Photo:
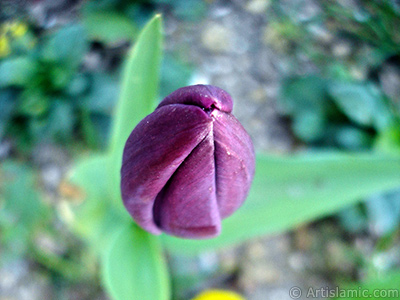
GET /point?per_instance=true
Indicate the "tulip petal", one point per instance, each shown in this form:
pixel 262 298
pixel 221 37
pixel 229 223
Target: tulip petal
pixel 204 96
pixel 154 150
pixel 234 160
pixel 187 206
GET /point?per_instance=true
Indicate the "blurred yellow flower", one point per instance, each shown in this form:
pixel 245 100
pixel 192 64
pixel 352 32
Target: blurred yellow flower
pixel 4 46
pixel 218 295
pixel 18 29
pixel 10 31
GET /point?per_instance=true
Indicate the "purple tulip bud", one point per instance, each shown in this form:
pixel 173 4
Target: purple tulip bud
pixel 187 165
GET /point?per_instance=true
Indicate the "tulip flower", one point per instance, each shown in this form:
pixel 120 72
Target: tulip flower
pixel 187 165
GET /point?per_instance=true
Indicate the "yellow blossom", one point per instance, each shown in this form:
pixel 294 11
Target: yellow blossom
pixel 18 29
pixel 4 46
pixel 218 295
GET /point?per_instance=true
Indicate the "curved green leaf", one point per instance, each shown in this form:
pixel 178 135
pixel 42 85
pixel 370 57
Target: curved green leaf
pixel 134 267
pixel 140 84
pixel 96 217
pixel 288 191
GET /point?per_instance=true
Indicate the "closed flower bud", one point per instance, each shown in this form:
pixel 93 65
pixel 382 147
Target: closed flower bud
pixel 187 165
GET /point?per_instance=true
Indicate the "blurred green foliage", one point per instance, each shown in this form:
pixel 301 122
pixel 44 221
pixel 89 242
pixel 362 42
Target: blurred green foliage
pixel 27 225
pixel 141 10
pixel 22 218
pixel 341 105
pixel 48 94
pixel 375 287
pixel 49 88
pixel 347 115
pixel 373 22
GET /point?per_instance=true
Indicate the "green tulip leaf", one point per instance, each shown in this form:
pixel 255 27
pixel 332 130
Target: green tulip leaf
pixel 139 91
pixel 134 267
pixel 290 191
pixel 375 287
pixel 94 215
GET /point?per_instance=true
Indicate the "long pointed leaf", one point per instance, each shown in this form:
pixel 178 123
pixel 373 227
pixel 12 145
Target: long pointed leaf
pixel 138 93
pixel 140 84
pixel 289 191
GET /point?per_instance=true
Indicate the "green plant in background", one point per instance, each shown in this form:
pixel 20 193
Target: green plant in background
pixel 287 191
pixel 386 287
pixel 336 113
pixel 47 95
pixel 14 34
pixel 26 221
pixel 354 116
pixel 339 108
pixel 140 10
pixel 113 21
pixel 23 217
pixel 49 88
pixel 340 104
pixel 374 22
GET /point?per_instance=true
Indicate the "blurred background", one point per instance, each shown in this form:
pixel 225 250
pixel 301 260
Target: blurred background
pixel 304 75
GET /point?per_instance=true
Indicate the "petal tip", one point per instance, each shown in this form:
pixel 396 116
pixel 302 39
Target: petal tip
pixel 204 232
